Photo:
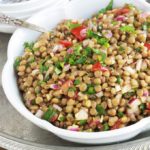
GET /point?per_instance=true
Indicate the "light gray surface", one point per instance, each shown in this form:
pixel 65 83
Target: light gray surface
pixel 14 127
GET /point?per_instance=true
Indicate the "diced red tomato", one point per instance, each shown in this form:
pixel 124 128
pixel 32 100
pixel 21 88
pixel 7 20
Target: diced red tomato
pixel 54 118
pixel 67 84
pixel 148 106
pixel 116 125
pixel 97 66
pixel 122 11
pixel 76 95
pixel 147 45
pixel 147 111
pixel 66 43
pixel 79 32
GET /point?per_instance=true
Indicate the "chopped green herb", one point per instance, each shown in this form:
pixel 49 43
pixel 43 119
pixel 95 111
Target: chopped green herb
pixel 144 26
pixel 82 122
pixel 121 48
pixel 87 51
pixel 72 89
pixel 90 89
pixel 102 56
pixel 71 25
pixel 76 82
pixel 81 60
pixel 49 113
pixel 71 61
pixel 92 34
pixel 61 118
pixel 47 78
pixel 142 107
pixel 120 114
pixel 128 29
pixel 43 68
pixel 29 45
pixel 57 71
pixel 41 83
pixel 118 79
pixel 33 102
pixel 108 7
pixel 17 62
pixel 114 23
pixel 96 51
pixel 31 59
pixel 138 49
pixel 128 95
pixel 77 50
pixel 104 42
pixel 100 109
pixel 105 127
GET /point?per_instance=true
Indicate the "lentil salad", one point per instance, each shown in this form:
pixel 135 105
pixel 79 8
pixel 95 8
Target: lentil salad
pixel 91 75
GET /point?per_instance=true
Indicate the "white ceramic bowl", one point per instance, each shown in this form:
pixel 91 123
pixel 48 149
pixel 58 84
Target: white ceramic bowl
pixel 19 6
pixel 29 11
pixel 76 9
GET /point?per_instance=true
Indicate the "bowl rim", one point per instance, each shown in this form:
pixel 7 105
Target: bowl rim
pixel 138 126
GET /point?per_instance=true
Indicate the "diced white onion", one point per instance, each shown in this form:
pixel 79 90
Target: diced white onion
pixel 139 65
pixel 100 94
pixel 81 115
pixel 126 89
pixel 39 113
pixel 57 48
pixel 57 107
pixel 129 69
pixel 118 88
pixel 66 67
pixel 35 72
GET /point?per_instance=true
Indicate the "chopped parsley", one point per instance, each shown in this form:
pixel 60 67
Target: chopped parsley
pixel 77 81
pixel 120 114
pixel 128 29
pixel 105 127
pixel 17 62
pixel 138 49
pixel 57 71
pixel 142 107
pixel 118 79
pixel 71 25
pixel 108 7
pixel 100 109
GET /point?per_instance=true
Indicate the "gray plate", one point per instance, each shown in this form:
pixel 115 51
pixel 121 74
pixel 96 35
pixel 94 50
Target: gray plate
pixel 18 133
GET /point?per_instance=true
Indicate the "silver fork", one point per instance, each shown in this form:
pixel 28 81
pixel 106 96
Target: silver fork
pixel 4 19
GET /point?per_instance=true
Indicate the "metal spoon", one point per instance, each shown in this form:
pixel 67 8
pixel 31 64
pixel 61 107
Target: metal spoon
pixel 4 19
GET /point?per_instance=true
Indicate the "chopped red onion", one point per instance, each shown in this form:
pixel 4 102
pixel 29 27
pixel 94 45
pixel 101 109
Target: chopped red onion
pixel 146 94
pixel 70 51
pixel 108 34
pixel 66 67
pixel 120 18
pixel 39 113
pixel 57 48
pixel 73 128
pixel 54 86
